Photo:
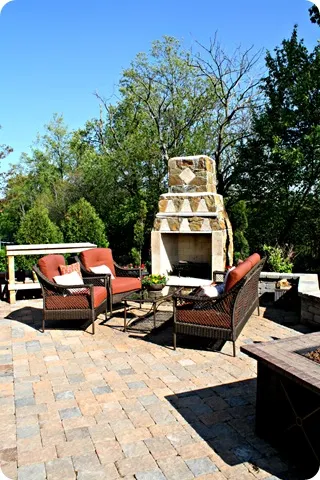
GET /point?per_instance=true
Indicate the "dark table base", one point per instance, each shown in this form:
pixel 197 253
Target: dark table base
pixel 288 417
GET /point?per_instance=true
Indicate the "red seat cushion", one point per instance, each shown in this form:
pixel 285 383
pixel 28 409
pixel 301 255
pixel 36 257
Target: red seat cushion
pixel 241 270
pixel 206 317
pixel 49 265
pixel 76 301
pixel 125 284
pixel 97 256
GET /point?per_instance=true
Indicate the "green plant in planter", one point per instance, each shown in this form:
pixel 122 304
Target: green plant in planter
pixel 279 259
pixel 154 279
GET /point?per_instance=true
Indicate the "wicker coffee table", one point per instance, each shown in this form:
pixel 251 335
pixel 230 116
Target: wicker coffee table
pixel 141 297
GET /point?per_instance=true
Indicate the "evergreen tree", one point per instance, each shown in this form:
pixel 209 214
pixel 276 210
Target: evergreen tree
pixel 82 224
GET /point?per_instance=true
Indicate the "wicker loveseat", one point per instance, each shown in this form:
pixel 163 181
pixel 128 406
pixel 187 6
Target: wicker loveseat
pixel 125 279
pixel 72 302
pixel 222 317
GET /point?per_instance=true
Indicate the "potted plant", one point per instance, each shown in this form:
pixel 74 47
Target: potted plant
pixel 154 282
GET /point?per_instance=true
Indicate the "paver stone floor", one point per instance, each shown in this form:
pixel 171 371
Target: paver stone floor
pixel 126 405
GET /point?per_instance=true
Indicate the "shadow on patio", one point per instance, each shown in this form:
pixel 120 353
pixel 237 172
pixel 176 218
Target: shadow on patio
pixel 224 416
pixel 32 317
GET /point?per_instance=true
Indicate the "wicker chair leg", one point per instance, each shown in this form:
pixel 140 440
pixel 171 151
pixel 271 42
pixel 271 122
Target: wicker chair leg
pixel 174 340
pixel 43 325
pixel 93 330
pixel 234 349
pixel 258 310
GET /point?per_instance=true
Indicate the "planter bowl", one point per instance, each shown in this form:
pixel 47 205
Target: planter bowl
pixel 155 287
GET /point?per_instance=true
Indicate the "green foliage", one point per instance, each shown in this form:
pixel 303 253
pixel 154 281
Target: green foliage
pixel 154 279
pixel 82 224
pixel 3 260
pixel 278 259
pixel 136 256
pixel 36 228
pixel 239 220
pixel 278 172
pixel 5 150
pixel 314 14
pixel 138 235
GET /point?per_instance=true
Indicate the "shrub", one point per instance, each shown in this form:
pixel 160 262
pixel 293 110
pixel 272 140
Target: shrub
pixel 36 227
pixel 279 260
pixel 3 261
pixel 82 224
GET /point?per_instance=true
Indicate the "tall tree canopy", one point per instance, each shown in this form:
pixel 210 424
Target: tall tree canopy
pixel 279 166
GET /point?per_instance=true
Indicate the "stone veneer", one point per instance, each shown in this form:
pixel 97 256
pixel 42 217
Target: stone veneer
pixel 192 174
pixel 192 206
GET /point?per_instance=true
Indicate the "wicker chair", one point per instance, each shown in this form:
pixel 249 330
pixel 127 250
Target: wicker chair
pixel 72 302
pixel 222 317
pixel 125 280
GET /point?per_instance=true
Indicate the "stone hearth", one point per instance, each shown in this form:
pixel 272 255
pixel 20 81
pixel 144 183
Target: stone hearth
pixel 192 224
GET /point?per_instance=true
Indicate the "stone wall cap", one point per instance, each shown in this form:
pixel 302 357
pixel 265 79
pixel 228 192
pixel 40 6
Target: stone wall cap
pixel 191 194
pixel 186 214
pixel 192 157
pixel 312 293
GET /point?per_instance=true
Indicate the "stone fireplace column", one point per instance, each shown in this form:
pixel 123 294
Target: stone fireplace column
pixel 192 224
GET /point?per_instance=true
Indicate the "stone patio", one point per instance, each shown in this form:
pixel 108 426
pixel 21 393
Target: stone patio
pixel 125 405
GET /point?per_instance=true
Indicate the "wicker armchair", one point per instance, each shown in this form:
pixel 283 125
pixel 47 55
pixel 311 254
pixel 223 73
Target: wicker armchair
pixel 125 280
pixel 72 302
pixel 222 317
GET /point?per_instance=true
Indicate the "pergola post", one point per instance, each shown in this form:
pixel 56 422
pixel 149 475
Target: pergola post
pixel 12 293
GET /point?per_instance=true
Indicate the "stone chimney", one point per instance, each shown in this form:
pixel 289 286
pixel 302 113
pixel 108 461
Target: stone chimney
pixel 192 224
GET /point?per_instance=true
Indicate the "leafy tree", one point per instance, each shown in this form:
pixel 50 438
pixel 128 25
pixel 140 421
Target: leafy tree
pixel 136 251
pixel 5 150
pixel 239 220
pixel 18 198
pixel 36 228
pixel 164 86
pixel 314 14
pixel 82 224
pixel 164 110
pixel 279 167
pixel 234 83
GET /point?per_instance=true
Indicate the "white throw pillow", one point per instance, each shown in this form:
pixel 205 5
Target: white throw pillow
pixel 230 270
pixel 71 279
pixel 211 291
pixel 103 269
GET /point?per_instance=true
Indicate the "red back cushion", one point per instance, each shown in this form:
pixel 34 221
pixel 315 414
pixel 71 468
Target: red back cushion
pixel 97 256
pixel 254 259
pixel 241 270
pixel 49 265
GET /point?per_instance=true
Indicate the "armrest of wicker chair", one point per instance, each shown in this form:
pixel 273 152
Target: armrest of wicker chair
pixel 218 276
pixel 98 279
pixel 223 302
pixel 127 272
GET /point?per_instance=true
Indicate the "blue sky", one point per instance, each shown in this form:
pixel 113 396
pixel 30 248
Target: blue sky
pixel 55 53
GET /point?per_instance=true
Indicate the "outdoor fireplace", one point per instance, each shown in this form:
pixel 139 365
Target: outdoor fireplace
pixel 192 234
